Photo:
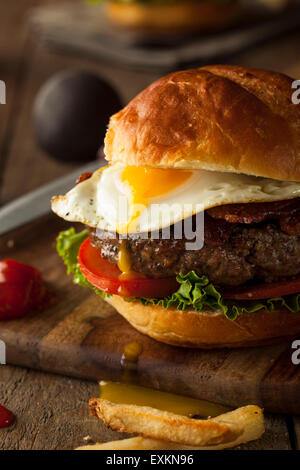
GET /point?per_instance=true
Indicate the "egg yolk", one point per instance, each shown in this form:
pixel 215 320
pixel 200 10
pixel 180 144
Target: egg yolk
pixel 124 261
pixel 146 183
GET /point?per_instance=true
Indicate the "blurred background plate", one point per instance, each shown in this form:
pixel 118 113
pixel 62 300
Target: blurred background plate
pixel 84 29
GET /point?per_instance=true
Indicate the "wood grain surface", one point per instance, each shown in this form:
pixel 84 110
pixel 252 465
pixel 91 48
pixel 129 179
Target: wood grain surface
pixel 52 413
pixel 60 403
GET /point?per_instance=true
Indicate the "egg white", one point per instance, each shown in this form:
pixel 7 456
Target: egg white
pixel 104 201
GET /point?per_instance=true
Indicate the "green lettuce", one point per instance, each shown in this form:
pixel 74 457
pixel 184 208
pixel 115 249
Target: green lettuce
pixel 197 292
pixel 194 292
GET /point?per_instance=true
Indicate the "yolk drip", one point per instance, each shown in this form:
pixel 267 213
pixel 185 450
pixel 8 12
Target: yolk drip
pixel 142 396
pixel 124 264
pixel 124 261
pixel 147 183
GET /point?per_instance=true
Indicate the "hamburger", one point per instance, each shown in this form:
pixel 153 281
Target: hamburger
pixel 168 15
pixel 193 228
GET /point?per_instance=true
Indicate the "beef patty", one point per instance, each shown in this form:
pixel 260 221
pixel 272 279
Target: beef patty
pixel 232 253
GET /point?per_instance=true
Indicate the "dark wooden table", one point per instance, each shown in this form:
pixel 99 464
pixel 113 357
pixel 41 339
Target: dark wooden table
pixel 52 411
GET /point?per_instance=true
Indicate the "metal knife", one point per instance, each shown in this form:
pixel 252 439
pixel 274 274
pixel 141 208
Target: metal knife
pixel 37 202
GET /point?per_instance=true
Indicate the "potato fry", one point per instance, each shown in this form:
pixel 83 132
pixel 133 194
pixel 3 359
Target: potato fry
pixel 134 443
pixel 163 425
pixel 249 418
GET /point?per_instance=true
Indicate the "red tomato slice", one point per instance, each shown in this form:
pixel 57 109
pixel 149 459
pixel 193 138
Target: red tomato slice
pixel 105 275
pixel 264 291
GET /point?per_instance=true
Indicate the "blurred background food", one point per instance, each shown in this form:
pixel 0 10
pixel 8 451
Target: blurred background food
pixel 163 35
pixel 174 15
pixel 274 4
pixel 181 15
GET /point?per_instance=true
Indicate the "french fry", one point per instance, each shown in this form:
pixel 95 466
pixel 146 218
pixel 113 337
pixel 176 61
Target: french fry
pixel 163 425
pixel 248 418
pixel 134 443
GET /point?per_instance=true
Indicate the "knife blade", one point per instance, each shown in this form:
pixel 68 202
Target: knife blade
pixel 37 203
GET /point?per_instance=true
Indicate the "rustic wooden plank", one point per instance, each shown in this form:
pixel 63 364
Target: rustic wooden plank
pixel 12 67
pixel 289 378
pixel 52 413
pixel 276 436
pixel 296 423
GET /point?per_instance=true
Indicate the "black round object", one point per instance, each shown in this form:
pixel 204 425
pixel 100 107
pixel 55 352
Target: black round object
pixel 71 114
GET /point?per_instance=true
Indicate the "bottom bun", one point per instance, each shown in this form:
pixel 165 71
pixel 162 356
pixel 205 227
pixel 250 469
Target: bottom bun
pixel 207 330
pixel 206 15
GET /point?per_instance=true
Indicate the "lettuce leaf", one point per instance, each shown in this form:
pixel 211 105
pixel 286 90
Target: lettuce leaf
pixel 197 292
pixel 194 292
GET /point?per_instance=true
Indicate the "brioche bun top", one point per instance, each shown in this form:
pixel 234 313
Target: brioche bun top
pixel 219 118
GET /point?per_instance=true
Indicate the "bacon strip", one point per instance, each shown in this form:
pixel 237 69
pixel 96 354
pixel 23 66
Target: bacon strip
pixel 287 212
pixel 291 224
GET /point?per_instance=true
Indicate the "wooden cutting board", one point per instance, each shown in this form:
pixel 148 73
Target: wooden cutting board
pixel 82 336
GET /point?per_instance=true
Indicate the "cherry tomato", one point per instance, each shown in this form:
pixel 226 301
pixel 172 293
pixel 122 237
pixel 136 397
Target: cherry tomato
pixel 264 291
pixel 105 275
pixel 6 417
pixel 21 289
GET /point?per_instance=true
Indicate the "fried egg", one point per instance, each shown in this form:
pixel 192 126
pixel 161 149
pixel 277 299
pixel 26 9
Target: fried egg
pixel 134 199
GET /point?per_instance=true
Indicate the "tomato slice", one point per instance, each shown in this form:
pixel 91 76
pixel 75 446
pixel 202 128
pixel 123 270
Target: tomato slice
pixel 264 291
pixel 105 275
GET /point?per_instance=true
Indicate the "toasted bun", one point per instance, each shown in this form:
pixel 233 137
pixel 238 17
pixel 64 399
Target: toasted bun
pixel 204 16
pixel 206 330
pixel 219 118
